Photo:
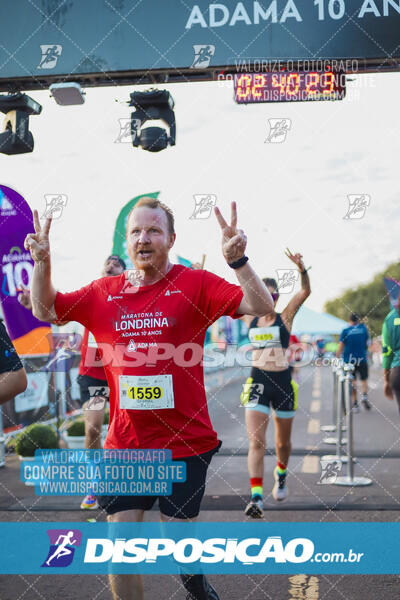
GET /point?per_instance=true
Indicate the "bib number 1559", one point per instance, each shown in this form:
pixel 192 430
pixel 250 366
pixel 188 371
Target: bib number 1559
pixel 144 393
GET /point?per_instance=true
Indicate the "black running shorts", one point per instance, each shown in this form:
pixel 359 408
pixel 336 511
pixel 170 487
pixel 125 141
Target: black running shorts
pixel 361 370
pixel 85 382
pixel 183 503
pixel 264 390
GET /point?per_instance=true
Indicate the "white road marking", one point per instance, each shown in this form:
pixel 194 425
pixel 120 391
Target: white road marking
pixel 315 406
pixel 313 426
pixel 310 464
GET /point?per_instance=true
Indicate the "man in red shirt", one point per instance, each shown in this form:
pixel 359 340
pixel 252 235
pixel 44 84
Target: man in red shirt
pixel 152 325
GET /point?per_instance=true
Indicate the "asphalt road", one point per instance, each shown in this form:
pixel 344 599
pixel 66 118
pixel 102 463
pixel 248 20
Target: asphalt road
pixel 377 446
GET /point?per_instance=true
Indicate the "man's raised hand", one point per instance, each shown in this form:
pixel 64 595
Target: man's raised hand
pixel 234 240
pixel 296 258
pixel 38 243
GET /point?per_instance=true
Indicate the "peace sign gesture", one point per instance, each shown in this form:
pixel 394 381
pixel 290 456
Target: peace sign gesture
pixel 296 258
pixel 234 240
pixel 38 243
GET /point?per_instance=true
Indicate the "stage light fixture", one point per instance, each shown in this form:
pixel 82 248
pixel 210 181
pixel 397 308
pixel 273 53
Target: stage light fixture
pixel 15 137
pixel 152 105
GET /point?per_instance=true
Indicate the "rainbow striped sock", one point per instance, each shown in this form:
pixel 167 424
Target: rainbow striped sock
pixel 256 484
pixel 281 469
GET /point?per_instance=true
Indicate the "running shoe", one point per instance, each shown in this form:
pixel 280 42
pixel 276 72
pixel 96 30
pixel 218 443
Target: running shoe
pixel 89 503
pixel 356 407
pixel 254 509
pixel 198 587
pixel 366 403
pixel 280 490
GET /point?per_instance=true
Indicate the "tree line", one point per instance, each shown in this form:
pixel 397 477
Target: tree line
pixel 370 300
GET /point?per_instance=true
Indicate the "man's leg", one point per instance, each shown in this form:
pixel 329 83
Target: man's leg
pixel 93 423
pixel 126 587
pixel 184 506
pixel 364 386
pixel 93 414
pixel 197 585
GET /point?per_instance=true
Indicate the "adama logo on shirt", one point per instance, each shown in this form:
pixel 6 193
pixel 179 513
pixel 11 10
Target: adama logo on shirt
pixel 110 298
pixel 132 346
pixel 168 292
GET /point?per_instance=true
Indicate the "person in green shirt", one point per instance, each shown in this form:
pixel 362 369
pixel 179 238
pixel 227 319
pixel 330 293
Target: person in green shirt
pixel 391 355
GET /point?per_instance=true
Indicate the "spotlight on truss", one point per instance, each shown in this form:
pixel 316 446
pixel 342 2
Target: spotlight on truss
pixel 150 106
pixel 15 137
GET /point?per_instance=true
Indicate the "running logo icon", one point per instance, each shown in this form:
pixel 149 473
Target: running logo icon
pixel 98 395
pixel 202 56
pixel 278 130
pixel 251 393
pixel 329 471
pixel 95 403
pixel 62 547
pixel 203 205
pixel 128 129
pixel 133 280
pixel 50 56
pixel 357 206
pixel 55 203
pixel 286 280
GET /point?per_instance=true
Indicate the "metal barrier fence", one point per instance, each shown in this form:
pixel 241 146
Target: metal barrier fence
pixel 343 412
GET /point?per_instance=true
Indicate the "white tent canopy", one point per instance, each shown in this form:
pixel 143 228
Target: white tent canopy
pixel 312 322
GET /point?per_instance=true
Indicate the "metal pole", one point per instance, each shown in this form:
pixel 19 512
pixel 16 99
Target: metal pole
pixel 338 440
pixel 339 402
pixel 339 416
pixel 349 414
pixel 349 479
pixel 334 404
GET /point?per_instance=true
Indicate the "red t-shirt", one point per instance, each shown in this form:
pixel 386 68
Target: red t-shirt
pixel 134 324
pixel 90 357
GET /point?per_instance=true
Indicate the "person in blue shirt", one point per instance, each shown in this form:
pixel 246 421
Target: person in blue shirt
pixel 353 347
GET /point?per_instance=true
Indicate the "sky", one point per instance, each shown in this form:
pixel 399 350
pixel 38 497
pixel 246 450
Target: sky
pixel 291 194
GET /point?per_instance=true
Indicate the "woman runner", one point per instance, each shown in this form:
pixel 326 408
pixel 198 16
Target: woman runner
pixel 270 386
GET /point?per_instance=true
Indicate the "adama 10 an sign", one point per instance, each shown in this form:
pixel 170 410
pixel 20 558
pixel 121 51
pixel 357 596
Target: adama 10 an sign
pixel 44 42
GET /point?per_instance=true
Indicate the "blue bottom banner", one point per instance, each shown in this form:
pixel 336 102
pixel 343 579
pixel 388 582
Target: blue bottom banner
pixel 220 548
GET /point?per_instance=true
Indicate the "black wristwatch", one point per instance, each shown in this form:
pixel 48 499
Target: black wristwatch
pixel 239 263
